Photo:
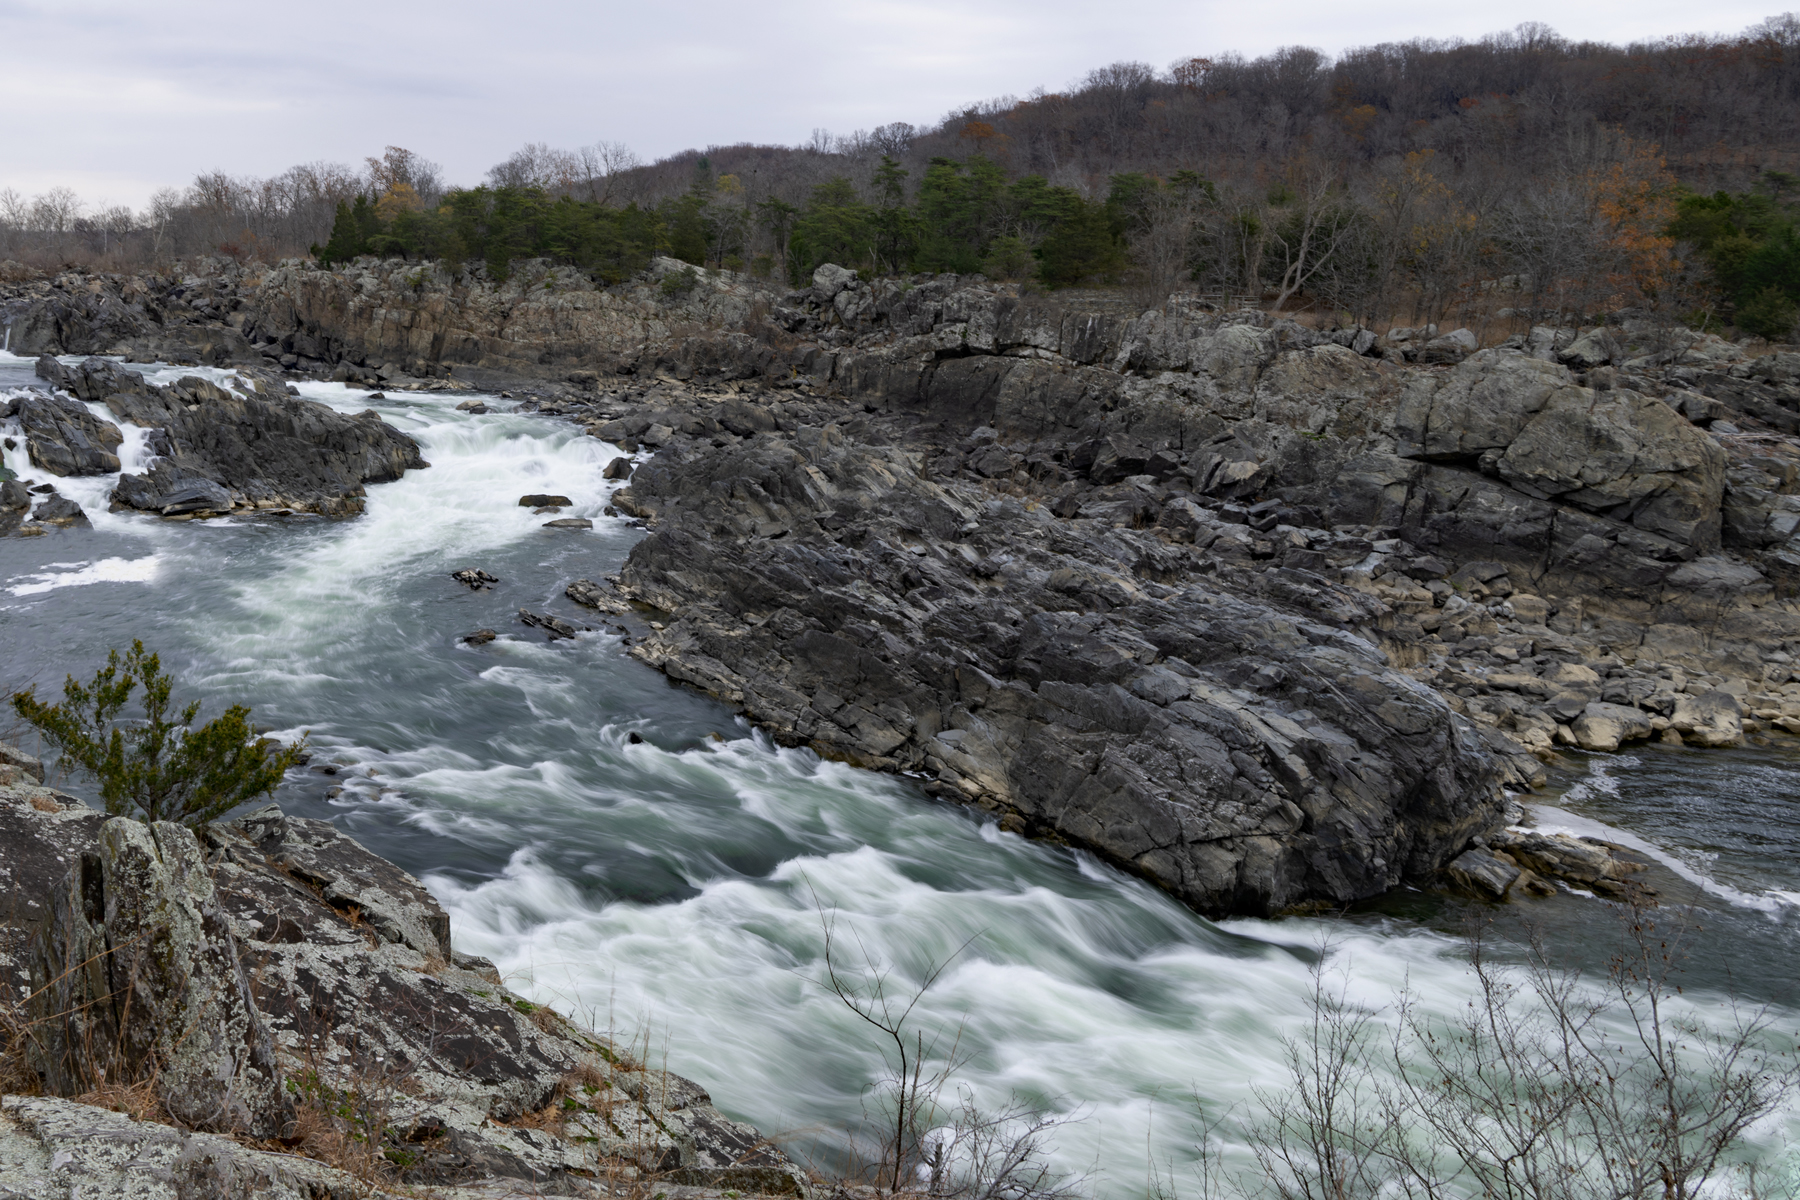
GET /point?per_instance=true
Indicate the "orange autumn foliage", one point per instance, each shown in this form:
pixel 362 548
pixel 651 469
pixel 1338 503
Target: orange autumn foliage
pixel 1634 202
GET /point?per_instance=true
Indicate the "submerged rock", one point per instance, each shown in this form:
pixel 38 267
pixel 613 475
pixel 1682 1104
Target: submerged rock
pixel 555 627
pixel 475 579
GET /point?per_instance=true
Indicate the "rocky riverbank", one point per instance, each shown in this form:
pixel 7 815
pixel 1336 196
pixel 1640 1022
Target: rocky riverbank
pixel 1268 614
pixel 266 1009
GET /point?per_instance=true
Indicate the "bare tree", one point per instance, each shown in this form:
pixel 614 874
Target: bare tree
pixel 1307 235
pixel 600 166
pixel 957 1152
pixel 1546 1087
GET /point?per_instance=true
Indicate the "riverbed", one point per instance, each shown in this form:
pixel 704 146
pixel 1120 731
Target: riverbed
pixel 632 853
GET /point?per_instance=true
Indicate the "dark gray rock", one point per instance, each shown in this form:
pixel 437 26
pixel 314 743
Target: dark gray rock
pixel 1231 740
pixel 475 579
pixel 261 448
pixel 64 438
pixel 59 510
pixel 555 627
pixel 171 491
pixel 1482 873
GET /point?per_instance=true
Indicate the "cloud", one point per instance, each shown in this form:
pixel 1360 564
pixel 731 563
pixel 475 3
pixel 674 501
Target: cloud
pixel 118 99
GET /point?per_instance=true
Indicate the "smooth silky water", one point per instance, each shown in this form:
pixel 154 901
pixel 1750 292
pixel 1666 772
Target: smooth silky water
pixel 671 889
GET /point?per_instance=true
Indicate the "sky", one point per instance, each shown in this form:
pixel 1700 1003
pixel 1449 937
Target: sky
pixel 118 99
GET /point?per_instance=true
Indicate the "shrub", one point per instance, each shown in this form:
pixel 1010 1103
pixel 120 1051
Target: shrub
pixel 161 767
pixel 1769 314
pixel 677 285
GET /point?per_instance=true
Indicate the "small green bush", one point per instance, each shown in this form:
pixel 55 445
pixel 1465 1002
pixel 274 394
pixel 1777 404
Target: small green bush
pixel 677 285
pixel 1769 314
pixel 160 767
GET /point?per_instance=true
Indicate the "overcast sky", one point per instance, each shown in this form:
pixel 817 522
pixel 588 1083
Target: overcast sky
pixel 117 99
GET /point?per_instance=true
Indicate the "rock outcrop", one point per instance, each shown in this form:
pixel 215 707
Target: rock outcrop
pixel 256 447
pixel 1027 520
pixel 1217 729
pixel 272 979
pixel 63 437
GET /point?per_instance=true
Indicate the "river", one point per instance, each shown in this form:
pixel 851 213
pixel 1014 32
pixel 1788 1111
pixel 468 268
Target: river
pixel 630 852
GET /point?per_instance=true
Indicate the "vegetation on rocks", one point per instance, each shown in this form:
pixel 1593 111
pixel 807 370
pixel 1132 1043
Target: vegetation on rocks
pixel 158 765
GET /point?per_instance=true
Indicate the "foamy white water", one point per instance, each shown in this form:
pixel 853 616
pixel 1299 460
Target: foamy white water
pixel 673 886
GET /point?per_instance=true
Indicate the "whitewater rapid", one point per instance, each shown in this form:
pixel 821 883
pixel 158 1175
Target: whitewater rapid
pixel 675 889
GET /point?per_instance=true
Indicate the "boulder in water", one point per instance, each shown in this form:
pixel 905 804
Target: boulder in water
pixel 1713 719
pixel 569 523
pixel 544 499
pixel 64 438
pixel 171 491
pixel 259 446
pixel 556 627
pixel 59 510
pixel 474 579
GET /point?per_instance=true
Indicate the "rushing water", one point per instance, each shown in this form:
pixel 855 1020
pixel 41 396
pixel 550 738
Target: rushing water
pixel 671 887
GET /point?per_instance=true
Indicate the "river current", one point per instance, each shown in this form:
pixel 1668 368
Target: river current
pixel 631 853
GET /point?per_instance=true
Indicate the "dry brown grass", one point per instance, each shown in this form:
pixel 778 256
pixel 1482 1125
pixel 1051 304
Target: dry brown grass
pixel 140 1100
pixel 17 1076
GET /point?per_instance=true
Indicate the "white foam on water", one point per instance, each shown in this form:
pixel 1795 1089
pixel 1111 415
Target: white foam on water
pixel 1549 818
pixel 467 503
pixel 106 570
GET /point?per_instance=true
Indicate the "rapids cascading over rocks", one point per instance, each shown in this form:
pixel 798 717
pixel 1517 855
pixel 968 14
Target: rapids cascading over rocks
pixel 217 449
pixel 1266 614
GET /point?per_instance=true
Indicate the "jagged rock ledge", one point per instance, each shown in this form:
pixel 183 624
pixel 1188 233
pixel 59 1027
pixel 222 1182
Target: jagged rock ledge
pixel 262 996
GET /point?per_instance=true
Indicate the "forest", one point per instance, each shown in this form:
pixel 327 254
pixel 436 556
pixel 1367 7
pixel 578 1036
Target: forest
pixel 1521 171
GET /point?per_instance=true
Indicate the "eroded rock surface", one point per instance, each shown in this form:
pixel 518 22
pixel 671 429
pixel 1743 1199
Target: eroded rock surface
pixel 273 971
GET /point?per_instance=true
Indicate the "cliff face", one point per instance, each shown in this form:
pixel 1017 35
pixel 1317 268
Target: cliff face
pixel 541 321
pixel 272 979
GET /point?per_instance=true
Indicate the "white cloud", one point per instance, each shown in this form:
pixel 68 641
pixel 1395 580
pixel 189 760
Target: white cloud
pixel 118 99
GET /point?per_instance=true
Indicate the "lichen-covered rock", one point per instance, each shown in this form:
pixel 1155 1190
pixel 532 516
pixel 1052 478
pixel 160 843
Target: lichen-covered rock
pixel 55 1149
pixel 280 951
pixel 137 974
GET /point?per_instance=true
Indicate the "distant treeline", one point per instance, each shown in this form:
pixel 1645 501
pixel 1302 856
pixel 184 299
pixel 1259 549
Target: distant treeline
pixel 963 217
pixel 1521 170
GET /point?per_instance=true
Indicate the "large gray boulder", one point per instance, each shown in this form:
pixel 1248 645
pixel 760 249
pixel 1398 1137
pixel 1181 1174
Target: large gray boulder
pixel 1485 404
pixel 1625 455
pixel 64 438
pixel 137 974
pixel 255 447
